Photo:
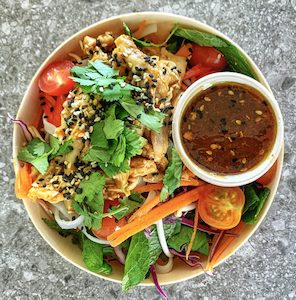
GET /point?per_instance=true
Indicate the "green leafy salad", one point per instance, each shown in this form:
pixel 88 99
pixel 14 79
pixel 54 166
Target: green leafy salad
pixel 103 163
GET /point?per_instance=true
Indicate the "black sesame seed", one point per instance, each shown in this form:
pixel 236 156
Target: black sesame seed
pixel 79 191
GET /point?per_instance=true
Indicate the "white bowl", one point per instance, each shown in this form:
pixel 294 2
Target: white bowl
pixel 29 111
pixel 227 180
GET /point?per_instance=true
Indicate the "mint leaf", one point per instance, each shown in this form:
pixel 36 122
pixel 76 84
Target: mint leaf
pixel 92 255
pixel 172 176
pixel 155 248
pixel 128 205
pixel 200 243
pixel 137 261
pixel 54 225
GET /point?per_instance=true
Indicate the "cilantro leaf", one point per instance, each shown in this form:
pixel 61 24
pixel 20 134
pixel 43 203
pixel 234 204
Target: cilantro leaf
pixel 134 142
pixel 98 137
pixel 119 153
pixel 200 243
pixel 172 176
pixel 36 152
pixel 152 119
pixel 129 204
pixel 113 128
pixel 104 69
pixel 97 154
pixel 59 149
pixel 111 170
pixel 89 200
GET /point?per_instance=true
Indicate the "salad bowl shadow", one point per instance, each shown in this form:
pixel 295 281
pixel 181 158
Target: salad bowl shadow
pixel 30 113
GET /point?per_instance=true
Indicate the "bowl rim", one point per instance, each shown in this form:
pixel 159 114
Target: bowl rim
pixel 227 180
pixel 146 14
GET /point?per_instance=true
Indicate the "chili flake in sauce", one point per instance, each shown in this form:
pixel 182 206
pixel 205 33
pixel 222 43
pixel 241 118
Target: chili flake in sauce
pixel 228 128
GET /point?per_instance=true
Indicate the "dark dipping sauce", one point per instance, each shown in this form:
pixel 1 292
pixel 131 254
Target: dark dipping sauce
pixel 228 128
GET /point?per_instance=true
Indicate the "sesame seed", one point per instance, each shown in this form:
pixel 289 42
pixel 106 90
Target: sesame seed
pixel 259 112
pixel 209 152
pixel 230 92
pixel 207 99
pixel 238 122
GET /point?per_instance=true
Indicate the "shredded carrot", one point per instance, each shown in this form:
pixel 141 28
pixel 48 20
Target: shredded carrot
pixel 153 216
pixel 158 186
pixel 184 50
pixel 223 245
pixel 148 188
pixel 23 181
pixel 145 208
pixel 140 30
pixel 195 224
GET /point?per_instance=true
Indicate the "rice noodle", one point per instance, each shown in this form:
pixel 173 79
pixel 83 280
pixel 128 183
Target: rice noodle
pixel 48 127
pixel 35 133
pixel 163 269
pixel 68 224
pixel 94 239
pixel 187 208
pixel 162 239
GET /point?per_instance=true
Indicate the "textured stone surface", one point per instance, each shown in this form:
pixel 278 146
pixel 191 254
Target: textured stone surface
pixel 265 267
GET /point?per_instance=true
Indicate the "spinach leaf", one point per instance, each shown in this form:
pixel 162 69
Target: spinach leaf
pixel 172 176
pixel 137 261
pixel 255 199
pixel 200 243
pixel 237 61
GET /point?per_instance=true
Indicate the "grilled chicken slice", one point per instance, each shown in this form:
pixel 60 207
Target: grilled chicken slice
pixel 142 167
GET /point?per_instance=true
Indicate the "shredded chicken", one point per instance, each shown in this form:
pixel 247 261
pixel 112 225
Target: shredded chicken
pixel 141 167
pixel 160 77
pixel 160 143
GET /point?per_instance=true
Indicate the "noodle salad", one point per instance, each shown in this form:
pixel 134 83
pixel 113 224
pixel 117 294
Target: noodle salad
pixel 102 163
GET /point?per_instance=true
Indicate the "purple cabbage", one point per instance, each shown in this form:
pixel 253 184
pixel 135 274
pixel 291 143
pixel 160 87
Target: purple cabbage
pixel 158 287
pixel 23 126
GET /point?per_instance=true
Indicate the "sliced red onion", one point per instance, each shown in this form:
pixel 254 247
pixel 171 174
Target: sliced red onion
pixel 120 255
pixel 46 208
pixel 164 269
pixel 23 127
pixel 215 244
pixel 67 224
pixel 193 258
pixel 204 228
pixel 48 127
pixel 158 287
pixel 147 232
pixel 162 239
pixel 94 239
pixel 171 219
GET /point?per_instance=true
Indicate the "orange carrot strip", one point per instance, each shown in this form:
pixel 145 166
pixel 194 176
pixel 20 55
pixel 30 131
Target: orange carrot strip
pixel 158 186
pixel 23 181
pixel 145 208
pixel 223 245
pixel 148 188
pixel 193 233
pixel 139 32
pixel 153 216
pixel 184 51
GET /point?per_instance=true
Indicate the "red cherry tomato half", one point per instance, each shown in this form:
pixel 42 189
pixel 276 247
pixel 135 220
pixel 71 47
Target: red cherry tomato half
pixel 109 225
pixel 55 80
pixel 207 57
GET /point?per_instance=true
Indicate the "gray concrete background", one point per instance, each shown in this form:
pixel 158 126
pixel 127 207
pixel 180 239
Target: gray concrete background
pixel 265 267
